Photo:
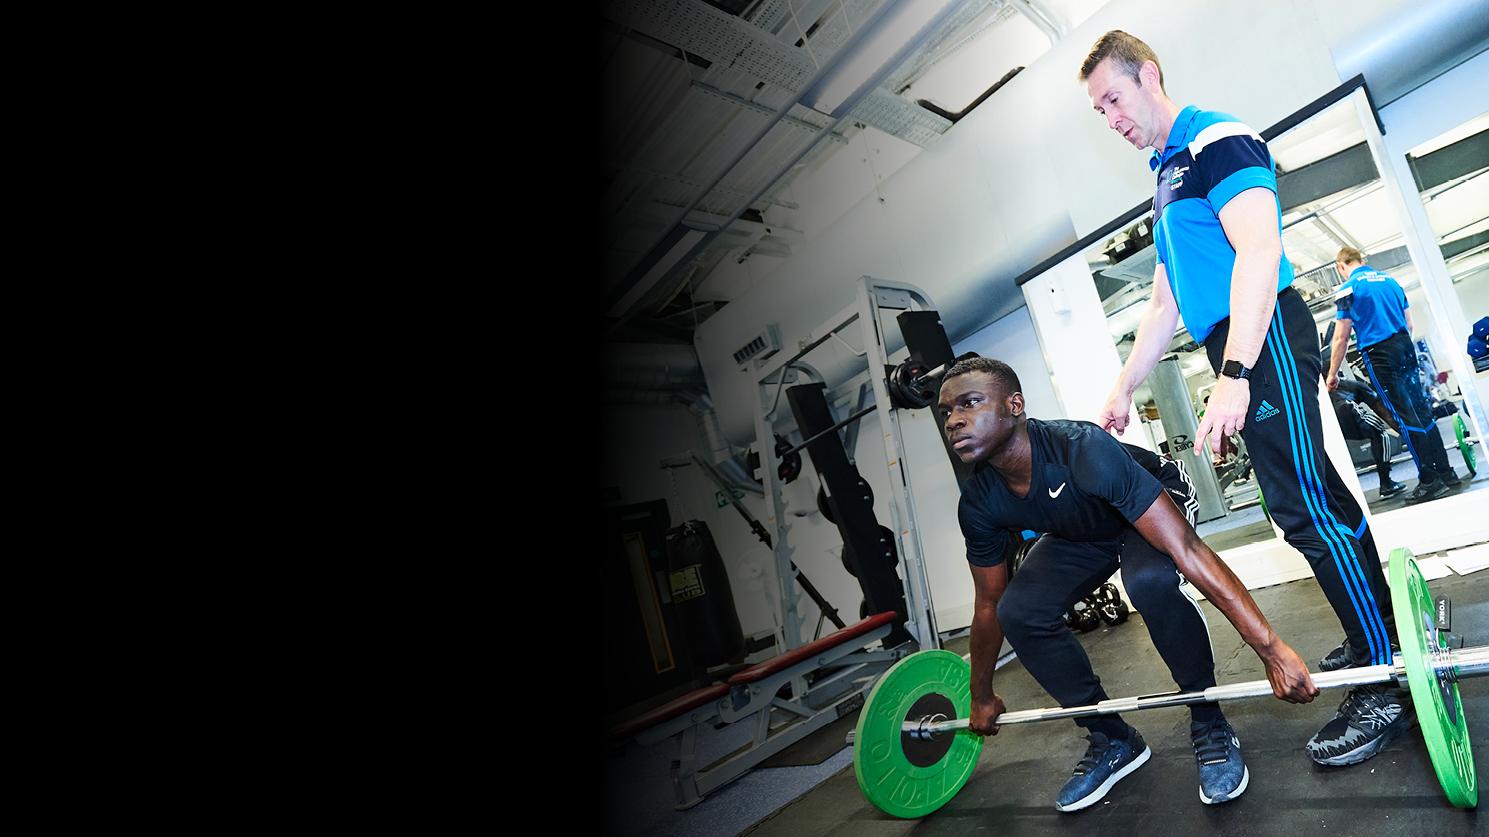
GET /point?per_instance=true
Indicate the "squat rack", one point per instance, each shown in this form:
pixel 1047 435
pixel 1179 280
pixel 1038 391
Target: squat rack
pixel 772 375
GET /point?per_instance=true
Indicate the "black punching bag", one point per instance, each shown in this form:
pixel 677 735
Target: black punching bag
pixel 701 595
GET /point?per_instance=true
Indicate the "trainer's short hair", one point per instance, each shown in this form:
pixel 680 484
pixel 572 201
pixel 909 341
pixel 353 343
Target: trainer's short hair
pixel 1350 254
pixel 1126 51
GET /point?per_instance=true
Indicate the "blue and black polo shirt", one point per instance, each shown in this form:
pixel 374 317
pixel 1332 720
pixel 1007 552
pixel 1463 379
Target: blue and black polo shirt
pixel 1373 303
pixel 1210 157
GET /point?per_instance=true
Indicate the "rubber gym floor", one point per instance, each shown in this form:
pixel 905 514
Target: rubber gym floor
pixel 1021 769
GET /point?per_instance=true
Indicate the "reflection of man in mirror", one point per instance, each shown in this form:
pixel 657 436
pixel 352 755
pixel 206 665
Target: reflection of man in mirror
pixel 1221 267
pixel 1360 422
pixel 1374 306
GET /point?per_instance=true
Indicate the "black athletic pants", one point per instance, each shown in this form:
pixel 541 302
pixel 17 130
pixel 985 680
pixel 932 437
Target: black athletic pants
pixel 1359 423
pixel 1305 495
pixel 1392 364
pixel 1056 574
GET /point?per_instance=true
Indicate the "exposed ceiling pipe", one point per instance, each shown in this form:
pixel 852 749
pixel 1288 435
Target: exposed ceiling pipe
pixel 1401 46
pixel 701 407
pixel 1043 19
pixel 639 397
pixel 627 292
pixel 720 452
pixel 956 117
pixel 634 290
pixel 653 366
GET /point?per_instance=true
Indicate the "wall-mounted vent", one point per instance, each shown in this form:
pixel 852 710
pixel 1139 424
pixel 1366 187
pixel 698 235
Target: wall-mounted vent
pixel 761 346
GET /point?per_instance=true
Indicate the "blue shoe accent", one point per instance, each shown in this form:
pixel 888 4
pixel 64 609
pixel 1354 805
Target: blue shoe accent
pixel 1222 774
pixel 1106 762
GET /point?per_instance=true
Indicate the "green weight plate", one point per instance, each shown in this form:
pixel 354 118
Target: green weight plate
pixel 1433 692
pixel 1464 445
pixel 916 783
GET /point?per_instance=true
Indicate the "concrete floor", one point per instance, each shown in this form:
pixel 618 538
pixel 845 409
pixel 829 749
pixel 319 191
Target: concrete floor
pixel 1021 770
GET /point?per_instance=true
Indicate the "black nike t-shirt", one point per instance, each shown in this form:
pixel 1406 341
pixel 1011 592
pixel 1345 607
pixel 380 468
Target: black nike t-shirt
pixel 1085 486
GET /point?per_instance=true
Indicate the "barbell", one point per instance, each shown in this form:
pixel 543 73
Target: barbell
pixel 912 751
pixel 914 384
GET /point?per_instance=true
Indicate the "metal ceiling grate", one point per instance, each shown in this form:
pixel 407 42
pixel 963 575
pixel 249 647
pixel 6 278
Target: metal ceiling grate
pixel 897 117
pixel 717 36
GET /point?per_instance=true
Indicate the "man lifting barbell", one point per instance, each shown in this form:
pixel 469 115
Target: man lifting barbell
pixel 1100 509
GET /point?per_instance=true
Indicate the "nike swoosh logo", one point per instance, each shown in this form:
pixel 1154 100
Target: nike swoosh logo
pixel 1055 492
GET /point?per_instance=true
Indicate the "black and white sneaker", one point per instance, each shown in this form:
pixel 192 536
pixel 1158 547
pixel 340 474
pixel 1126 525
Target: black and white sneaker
pixel 1336 659
pixel 1391 488
pixel 1426 491
pixel 1368 718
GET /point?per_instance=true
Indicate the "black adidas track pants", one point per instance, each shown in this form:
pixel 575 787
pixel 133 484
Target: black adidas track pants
pixel 1392 365
pixel 1305 495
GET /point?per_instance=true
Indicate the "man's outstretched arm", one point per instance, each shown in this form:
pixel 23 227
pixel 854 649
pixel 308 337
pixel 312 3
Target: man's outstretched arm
pixel 986 641
pixel 1166 529
pixel 1154 334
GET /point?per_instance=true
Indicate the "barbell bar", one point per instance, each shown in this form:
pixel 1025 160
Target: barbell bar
pixel 910 757
pixel 1457 665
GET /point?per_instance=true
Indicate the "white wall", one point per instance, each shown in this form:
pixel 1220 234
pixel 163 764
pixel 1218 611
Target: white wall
pixel 1473 290
pixel 1013 340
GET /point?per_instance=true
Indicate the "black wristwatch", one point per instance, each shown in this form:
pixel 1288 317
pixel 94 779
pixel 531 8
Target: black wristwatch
pixel 1234 369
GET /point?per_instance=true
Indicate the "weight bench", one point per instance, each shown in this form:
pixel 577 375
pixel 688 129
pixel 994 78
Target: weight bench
pixel 848 670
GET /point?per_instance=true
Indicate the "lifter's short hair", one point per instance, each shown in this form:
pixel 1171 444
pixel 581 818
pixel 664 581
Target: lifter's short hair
pixel 1000 372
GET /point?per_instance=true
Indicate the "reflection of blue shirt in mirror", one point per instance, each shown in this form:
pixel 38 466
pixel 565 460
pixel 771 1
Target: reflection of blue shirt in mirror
pixel 1084 485
pixel 1374 304
pixel 1210 157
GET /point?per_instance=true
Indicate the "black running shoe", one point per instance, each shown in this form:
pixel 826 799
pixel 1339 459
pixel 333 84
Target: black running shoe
pixel 1391 489
pixel 1426 491
pixel 1368 718
pixel 1450 479
pixel 1336 659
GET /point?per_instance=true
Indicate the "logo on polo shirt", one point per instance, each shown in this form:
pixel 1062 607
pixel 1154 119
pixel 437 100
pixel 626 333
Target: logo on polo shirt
pixel 1266 411
pixel 1176 177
